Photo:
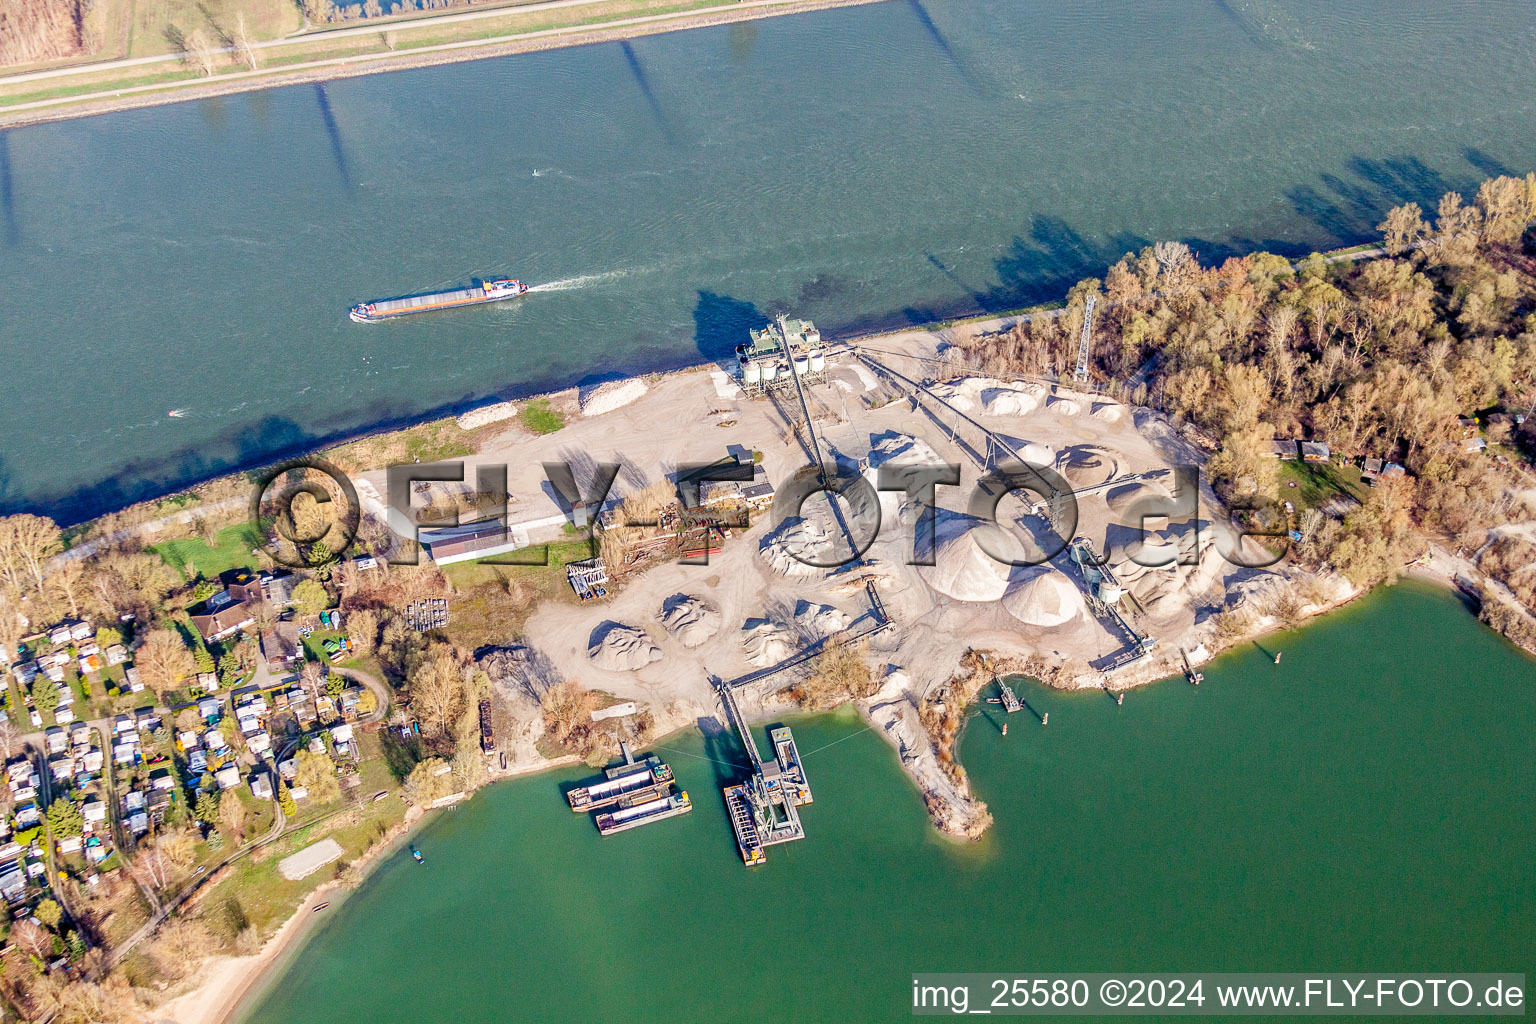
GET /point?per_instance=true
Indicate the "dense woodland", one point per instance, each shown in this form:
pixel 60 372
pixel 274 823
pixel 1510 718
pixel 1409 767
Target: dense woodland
pixel 1377 357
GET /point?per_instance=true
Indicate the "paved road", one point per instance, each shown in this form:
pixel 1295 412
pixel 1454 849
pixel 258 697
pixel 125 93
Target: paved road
pixel 386 60
pixel 372 28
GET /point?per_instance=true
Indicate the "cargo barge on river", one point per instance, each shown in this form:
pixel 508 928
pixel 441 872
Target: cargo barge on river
pixel 479 292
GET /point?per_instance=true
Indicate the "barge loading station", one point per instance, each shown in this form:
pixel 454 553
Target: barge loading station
pixel 762 809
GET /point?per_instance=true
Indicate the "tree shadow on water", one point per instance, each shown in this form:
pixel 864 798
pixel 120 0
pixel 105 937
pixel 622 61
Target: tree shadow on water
pixel 11 233
pixel 644 83
pixel 942 44
pixel 338 151
pixel 1488 165
pixel 1349 210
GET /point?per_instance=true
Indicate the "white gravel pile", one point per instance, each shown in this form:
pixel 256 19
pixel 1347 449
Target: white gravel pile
pixel 1009 401
pixel 766 643
pixel 820 619
pixel 962 568
pixel 1042 596
pixel 1063 406
pixel 902 449
pixel 691 620
pixel 610 396
pixel 1125 501
pixel 488 414
pixel 807 538
pixel 1109 412
pixel 620 648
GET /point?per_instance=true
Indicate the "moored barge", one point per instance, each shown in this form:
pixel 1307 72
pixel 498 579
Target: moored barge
pixel 643 814
pixel 623 783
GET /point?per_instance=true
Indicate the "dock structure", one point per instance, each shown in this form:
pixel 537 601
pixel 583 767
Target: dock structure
pixel 1105 596
pixel 635 815
pixel 1195 678
pixel 793 772
pixel 784 354
pixel 763 809
pixel 626 785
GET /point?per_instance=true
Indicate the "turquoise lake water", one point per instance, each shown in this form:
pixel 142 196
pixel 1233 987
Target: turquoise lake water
pixel 866 167
pixel 1365 806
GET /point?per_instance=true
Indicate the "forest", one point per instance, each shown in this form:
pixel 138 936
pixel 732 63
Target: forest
pixel 1401 353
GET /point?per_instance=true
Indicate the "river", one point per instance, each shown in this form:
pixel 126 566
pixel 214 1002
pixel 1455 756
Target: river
pixel 1365 806
pixel 866 167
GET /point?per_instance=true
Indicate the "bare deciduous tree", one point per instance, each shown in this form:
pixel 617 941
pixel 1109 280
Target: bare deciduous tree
pixel 200 53
pixel 247 52
pixel 437 688
pixel 164 661
pixel 26 544
pixel 9 734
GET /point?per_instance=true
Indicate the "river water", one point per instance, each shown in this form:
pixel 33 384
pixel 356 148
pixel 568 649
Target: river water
pixel 867 166
pixel 1365 806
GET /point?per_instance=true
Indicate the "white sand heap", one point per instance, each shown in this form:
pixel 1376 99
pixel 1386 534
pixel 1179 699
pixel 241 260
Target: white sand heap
pixel 968 393
pixel 488 414
pixel 902 449
pixel 1062 406
pixel 1085 467
pixel 766 643
pixel 1126 501
pixel 620 648
pixel 610 396
pixel 1036 453
pixel 963 568
pixel 1109 412
pixel 796 542
pixel 691 620
pixel 901 457
pixel 1042 596
pixel 1158 550
pixel 820 619
pixel 956 395
pixel 1163 586
pixel 1012 401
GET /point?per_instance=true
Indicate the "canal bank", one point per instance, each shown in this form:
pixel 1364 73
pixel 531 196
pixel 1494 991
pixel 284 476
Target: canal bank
pixel 1333 812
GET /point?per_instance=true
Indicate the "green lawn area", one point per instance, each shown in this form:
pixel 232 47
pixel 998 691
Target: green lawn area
pixel 1318 483
pixel 191 556
pixel 313 646
pixel 537 417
